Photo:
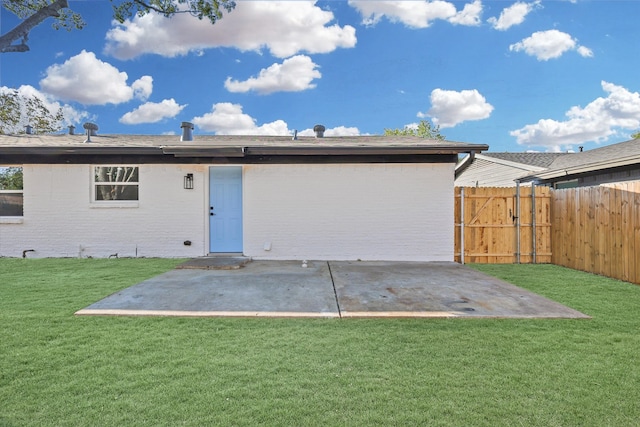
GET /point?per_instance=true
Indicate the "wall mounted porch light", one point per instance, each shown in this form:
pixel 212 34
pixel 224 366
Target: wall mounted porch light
pixel 188 181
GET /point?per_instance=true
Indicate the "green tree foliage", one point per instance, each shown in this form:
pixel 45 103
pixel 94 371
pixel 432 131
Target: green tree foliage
pixel 635 135
pixel 34 12
pixel 424 129
pixel 17 110
pixel 10 110
pixel 201 9
pixel 11 178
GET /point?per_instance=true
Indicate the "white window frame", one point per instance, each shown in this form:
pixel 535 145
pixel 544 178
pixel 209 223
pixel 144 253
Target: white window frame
pixel 112 203
pixel 14 219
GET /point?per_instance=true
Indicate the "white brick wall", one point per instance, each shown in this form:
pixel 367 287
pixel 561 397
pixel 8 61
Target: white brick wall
pixel 349 211
pixel 60 220
pixel 337 212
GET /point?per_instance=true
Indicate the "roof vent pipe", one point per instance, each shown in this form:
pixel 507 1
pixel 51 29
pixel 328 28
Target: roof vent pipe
pixel 91 129
pixel 72 130
pixel 295 135
pixel 319 130
pixel 28 129
pixel 187 131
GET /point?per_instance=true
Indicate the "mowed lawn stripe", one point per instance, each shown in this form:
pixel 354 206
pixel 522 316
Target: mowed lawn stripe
pixel 58 369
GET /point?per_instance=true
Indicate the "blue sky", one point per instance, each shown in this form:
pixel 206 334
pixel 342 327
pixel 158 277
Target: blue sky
pixel 529 75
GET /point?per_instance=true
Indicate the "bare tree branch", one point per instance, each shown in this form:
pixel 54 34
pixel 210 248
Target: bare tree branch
pixel 154 8
pixel 21 31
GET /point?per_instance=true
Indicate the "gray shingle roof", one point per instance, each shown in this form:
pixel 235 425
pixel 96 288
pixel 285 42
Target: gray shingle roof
pixel 623 153
pixel 523 166
pixel 487 173
pixel 543 160
pixel 124 140
pixel 233 145
pixel 597 155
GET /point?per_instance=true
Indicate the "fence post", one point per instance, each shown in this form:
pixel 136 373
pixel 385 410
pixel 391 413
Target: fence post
pixel 462 225
pixel 517 218
pixel 533 221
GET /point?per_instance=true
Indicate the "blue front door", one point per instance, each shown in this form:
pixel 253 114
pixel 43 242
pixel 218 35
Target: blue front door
pixel 225 209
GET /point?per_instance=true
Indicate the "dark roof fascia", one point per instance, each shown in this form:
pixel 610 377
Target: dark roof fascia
pixel 79 151
pixel 235 154
pixel 80 155
pixel 335 159
pixel 328 150
pixel 203 151
pixel 20 159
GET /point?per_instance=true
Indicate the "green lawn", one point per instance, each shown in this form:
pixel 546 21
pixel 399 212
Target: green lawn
pixel 57 369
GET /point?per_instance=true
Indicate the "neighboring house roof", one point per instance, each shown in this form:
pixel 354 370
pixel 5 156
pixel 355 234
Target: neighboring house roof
pixel 623 154
pixel 500 169
pixel 163 148
pixel 543 160
pixel 505 169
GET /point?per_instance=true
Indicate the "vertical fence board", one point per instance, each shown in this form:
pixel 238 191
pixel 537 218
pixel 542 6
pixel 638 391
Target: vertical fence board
pixel 597 229
pixel 616 255
pixel 582 226
pixel 490 225
pixel 635 209
pixel 625 247
pixel 590 249
pixel 543 224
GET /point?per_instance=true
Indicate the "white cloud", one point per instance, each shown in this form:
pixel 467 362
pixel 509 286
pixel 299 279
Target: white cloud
pixel 293 75
pixel 595 122
pixel 469 15
pixel 513 15
pixel 416 14
pixel 285 28
pixel 152 112
pixel 545 45
pixel 449 108
pixel 90 81
pixel 585 52
pixel 71 115
pixel 226 118
pixel 337 131
pixel 342 131
pixel 142 88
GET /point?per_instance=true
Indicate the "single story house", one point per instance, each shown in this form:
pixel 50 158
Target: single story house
pixel 266 197
pixel 611 163
pixel 500 169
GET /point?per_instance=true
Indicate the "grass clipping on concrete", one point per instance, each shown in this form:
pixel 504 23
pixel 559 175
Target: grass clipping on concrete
pixel 57 369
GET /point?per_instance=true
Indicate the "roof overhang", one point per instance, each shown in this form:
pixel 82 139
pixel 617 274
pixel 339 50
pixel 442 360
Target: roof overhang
pixel 574 171
pixel 79 151
pixel 307 150
pixel 236 153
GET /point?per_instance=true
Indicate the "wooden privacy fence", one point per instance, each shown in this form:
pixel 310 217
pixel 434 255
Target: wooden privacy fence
pixel 597 229
pixel 594 229
pixel 502 225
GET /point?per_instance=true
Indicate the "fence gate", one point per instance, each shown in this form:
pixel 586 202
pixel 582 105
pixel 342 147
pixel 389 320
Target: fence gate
pixel 502 225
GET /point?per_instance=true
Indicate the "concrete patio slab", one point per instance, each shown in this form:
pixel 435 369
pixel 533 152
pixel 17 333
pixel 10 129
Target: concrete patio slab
pixel 437 289
pixel 260 288
pixel 330 289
